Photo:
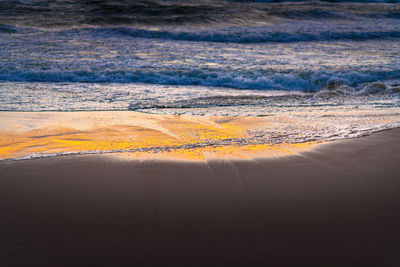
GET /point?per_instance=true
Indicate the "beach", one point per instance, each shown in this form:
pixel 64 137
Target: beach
pixel 199 133
pixel 333 204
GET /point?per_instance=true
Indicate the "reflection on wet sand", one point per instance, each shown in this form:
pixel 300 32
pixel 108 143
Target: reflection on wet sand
pixel 30 135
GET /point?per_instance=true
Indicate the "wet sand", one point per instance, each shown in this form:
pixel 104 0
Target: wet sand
pixel 27 135
pixel 335 205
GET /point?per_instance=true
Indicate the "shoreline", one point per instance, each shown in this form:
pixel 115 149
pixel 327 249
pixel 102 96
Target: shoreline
pixel 27 135
pixel 158 156
pixel 23 135
pixel 153 155
pixel 333 205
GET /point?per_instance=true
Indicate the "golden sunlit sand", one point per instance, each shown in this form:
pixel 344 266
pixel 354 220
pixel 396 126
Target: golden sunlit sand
pixel 338 201
pixel 136 134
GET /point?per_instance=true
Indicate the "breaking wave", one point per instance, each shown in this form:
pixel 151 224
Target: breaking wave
pixel 308 81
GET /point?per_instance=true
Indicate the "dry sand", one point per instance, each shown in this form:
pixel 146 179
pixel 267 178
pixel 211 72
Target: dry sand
pixel 335 205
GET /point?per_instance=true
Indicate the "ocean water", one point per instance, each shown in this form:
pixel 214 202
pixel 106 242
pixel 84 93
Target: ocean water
pixel 334 64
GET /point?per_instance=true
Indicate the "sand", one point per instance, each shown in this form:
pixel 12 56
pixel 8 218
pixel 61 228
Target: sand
pixel 23 134
pixel 334 205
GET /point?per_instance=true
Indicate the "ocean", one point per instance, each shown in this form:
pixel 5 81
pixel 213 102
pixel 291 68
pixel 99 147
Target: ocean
pixel 331 68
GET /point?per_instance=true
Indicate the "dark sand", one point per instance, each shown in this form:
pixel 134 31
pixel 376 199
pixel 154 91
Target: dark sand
pixel 337 205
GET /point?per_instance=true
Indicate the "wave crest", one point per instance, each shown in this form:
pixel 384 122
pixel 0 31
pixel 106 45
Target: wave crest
pixel 301 80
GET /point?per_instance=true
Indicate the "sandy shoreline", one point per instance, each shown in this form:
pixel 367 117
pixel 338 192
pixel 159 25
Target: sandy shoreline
pixel 26 135
pixel 333 205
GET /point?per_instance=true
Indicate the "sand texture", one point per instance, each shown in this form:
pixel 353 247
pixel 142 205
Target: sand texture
pixel 334 205
pixel 27 135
